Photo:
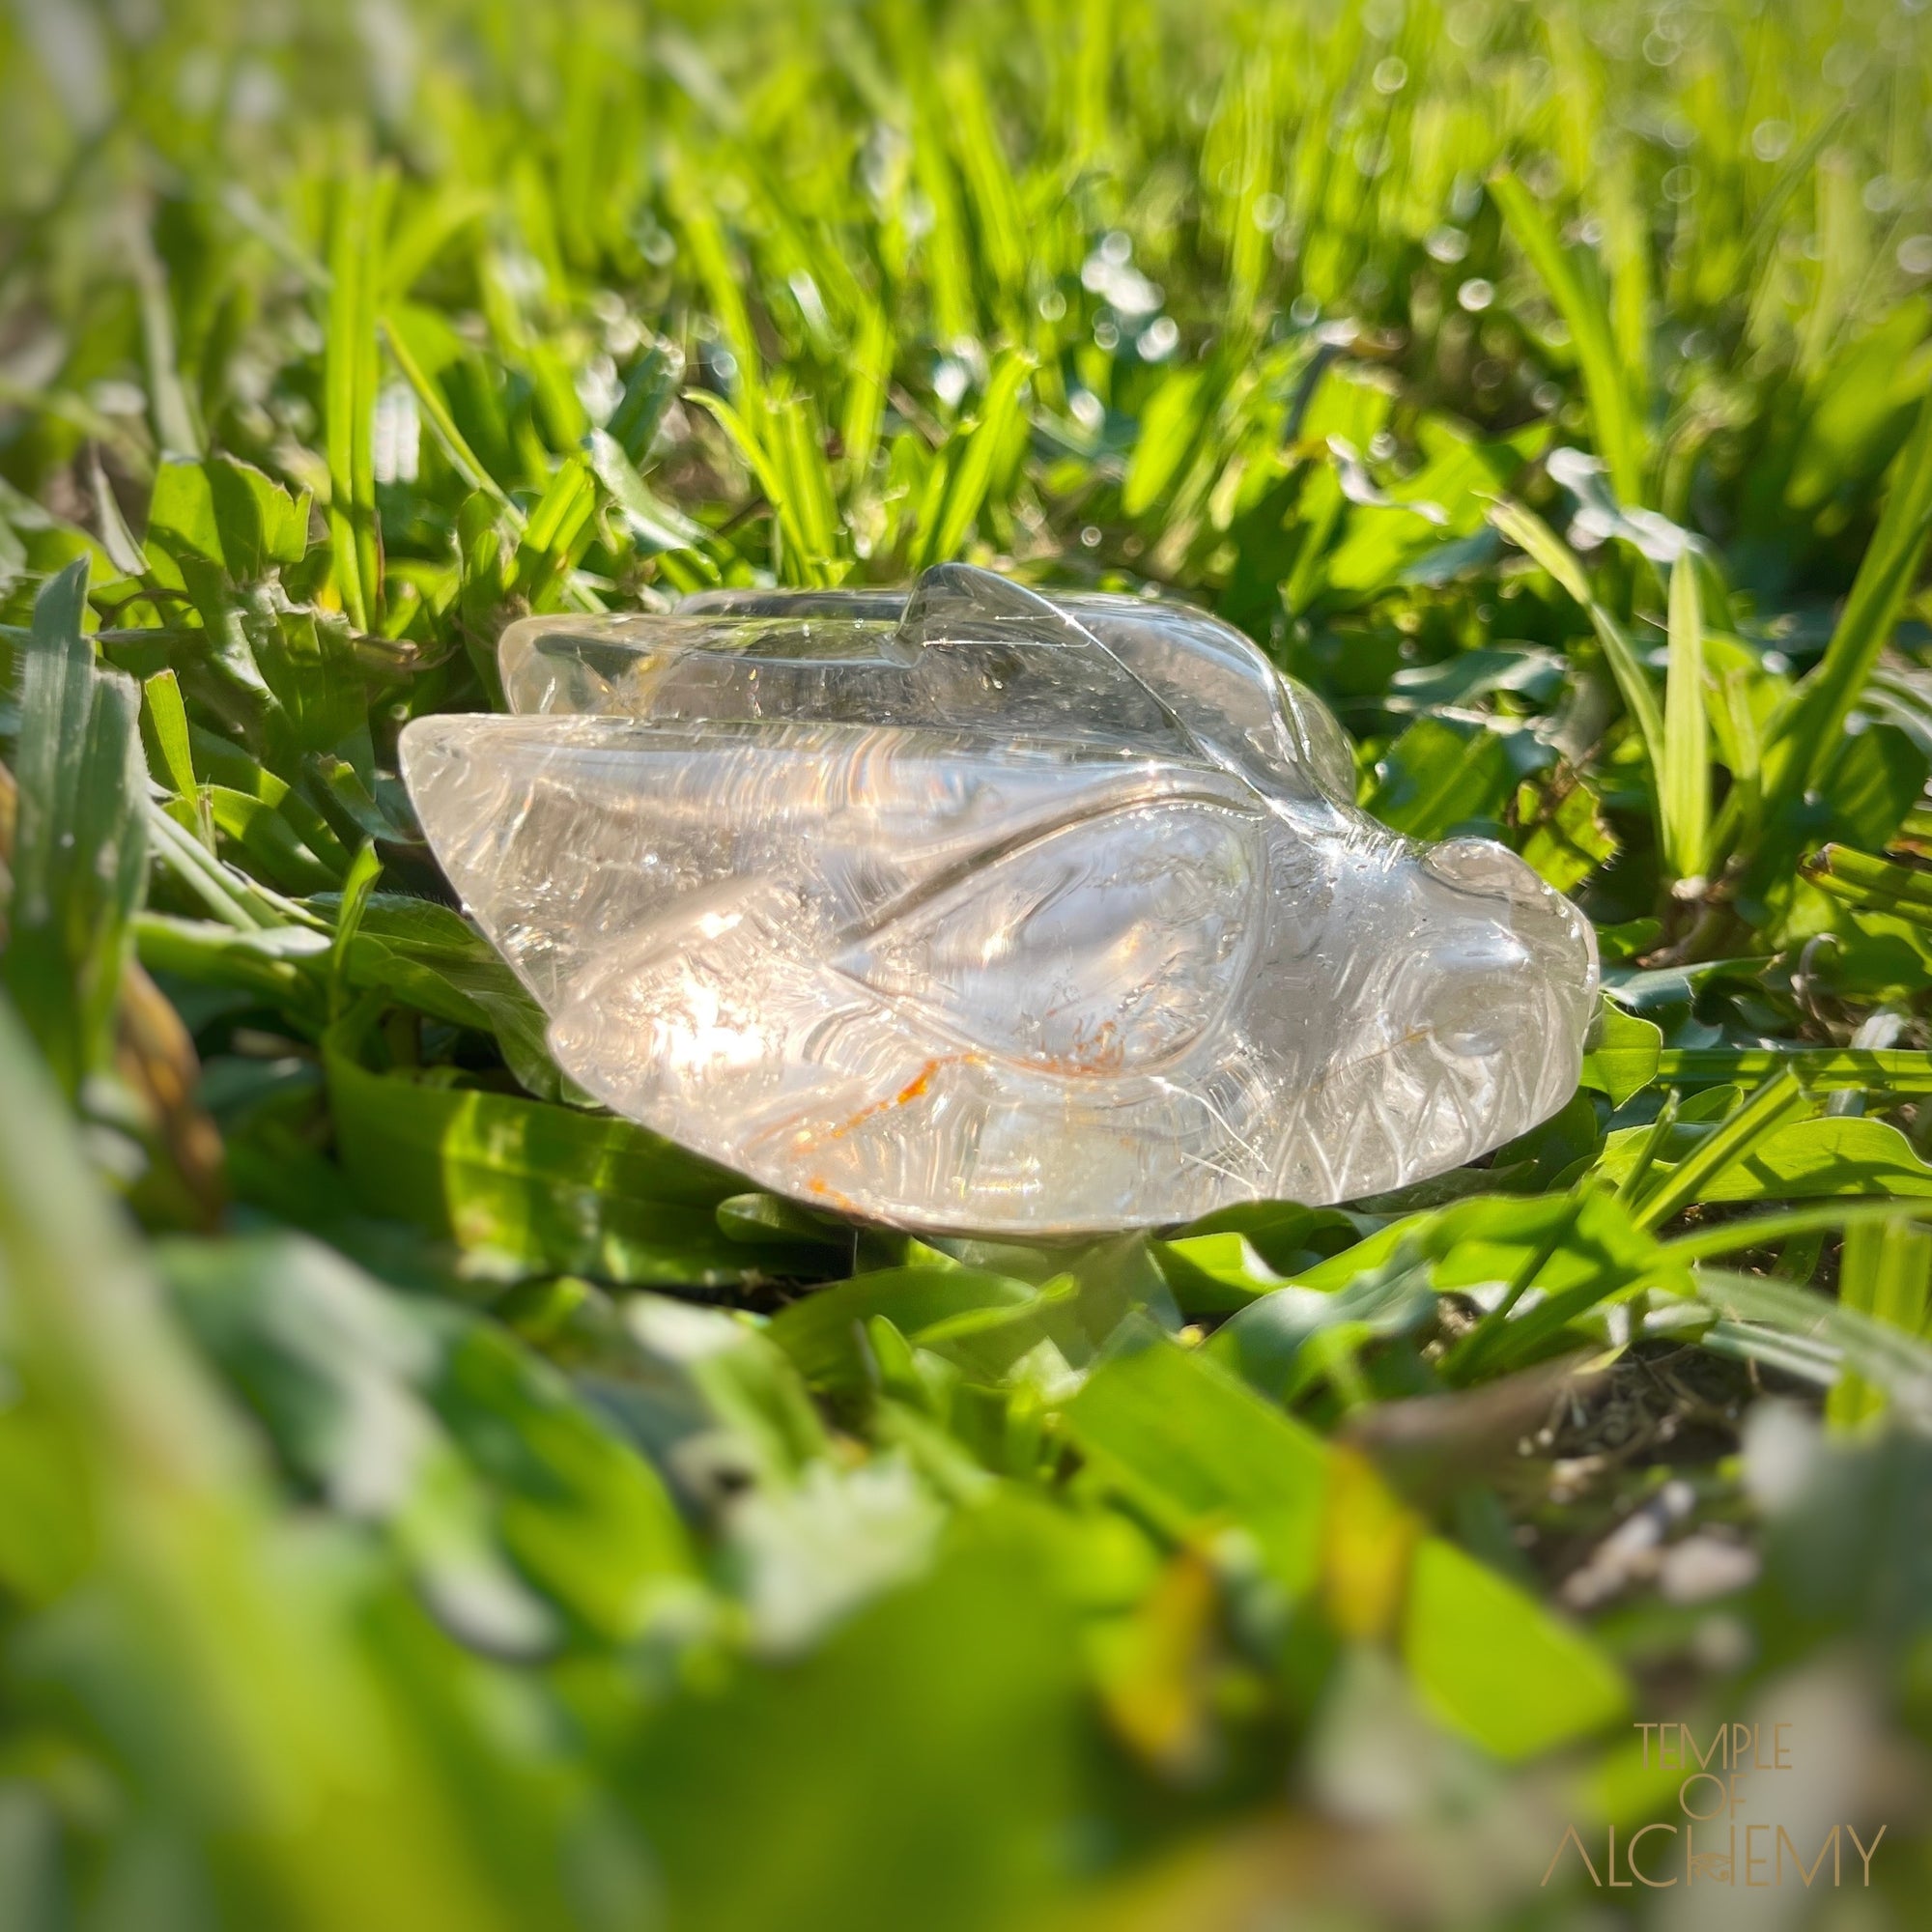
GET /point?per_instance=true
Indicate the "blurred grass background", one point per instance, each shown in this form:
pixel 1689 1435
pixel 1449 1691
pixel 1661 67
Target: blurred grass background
pixel 426 1500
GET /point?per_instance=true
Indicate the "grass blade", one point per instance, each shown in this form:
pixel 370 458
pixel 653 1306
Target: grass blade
pixel 1891 1070
pixel 1529 532
pixel 1573 287
pixel 1873 885
pixel 1767 1110
pixel 1684 792
pixel 1884 1273
pixel 436 413
pixel 983 443
pixel 80 858
pixel 350 382
pixel 1805 738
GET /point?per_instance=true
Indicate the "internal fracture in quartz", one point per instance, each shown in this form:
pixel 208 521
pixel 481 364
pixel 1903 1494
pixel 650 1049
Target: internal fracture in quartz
pixel 977 911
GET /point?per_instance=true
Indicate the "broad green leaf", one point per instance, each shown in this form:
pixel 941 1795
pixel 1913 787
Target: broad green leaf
pixel 823 1332
pixel 1493 1663
pixel 1267 1342
pixel 1575 1251
pixel 428 957
pixel 265 1658
pixel 314 1347
pixel 983 1653
pixel 1215 1273
pixel 1803 1161
pixel 1570 838
pixel 583 1514
pixel 1447 774
pixel 1199 1450
pixel 308 661
pixel 761 1219
pixel 1622 1056
pixel 530 1188
pixel 1538 1269
pixel 269 838
pixel 47 1537
pixel 226 514
pixel 740 1379
pixel 1734 1140
pixel 1223 1261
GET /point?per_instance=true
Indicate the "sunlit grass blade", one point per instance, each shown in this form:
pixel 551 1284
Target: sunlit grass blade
pixel 1683 791
pixel 711 254
pixel 1573 287
pixel 1873 885
pixel 1626 251
pixel 79 857
pixel 1885 1272
pixel 984 443
pixel 177 430
pixel 350 379
pixel 1889 1070
pixel 1761 1231
pixel 1805 737
pixel 945 252
pixel 558 527
pixel 1529 532
pixel 770 474
pixel 454 1561
pixel 975 141
pixel 1831 1341
pixel 1767 1110
pixel 800 456
pixel 436 412
pixel 167 715
pixel 866 381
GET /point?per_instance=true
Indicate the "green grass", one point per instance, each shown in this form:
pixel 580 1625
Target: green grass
pixel 425 1500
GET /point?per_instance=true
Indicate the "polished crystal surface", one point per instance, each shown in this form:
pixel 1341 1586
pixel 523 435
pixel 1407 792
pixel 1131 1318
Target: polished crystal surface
pixel 977 911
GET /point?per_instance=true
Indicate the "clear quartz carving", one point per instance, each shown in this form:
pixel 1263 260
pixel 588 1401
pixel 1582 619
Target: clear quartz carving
pixel 980 912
